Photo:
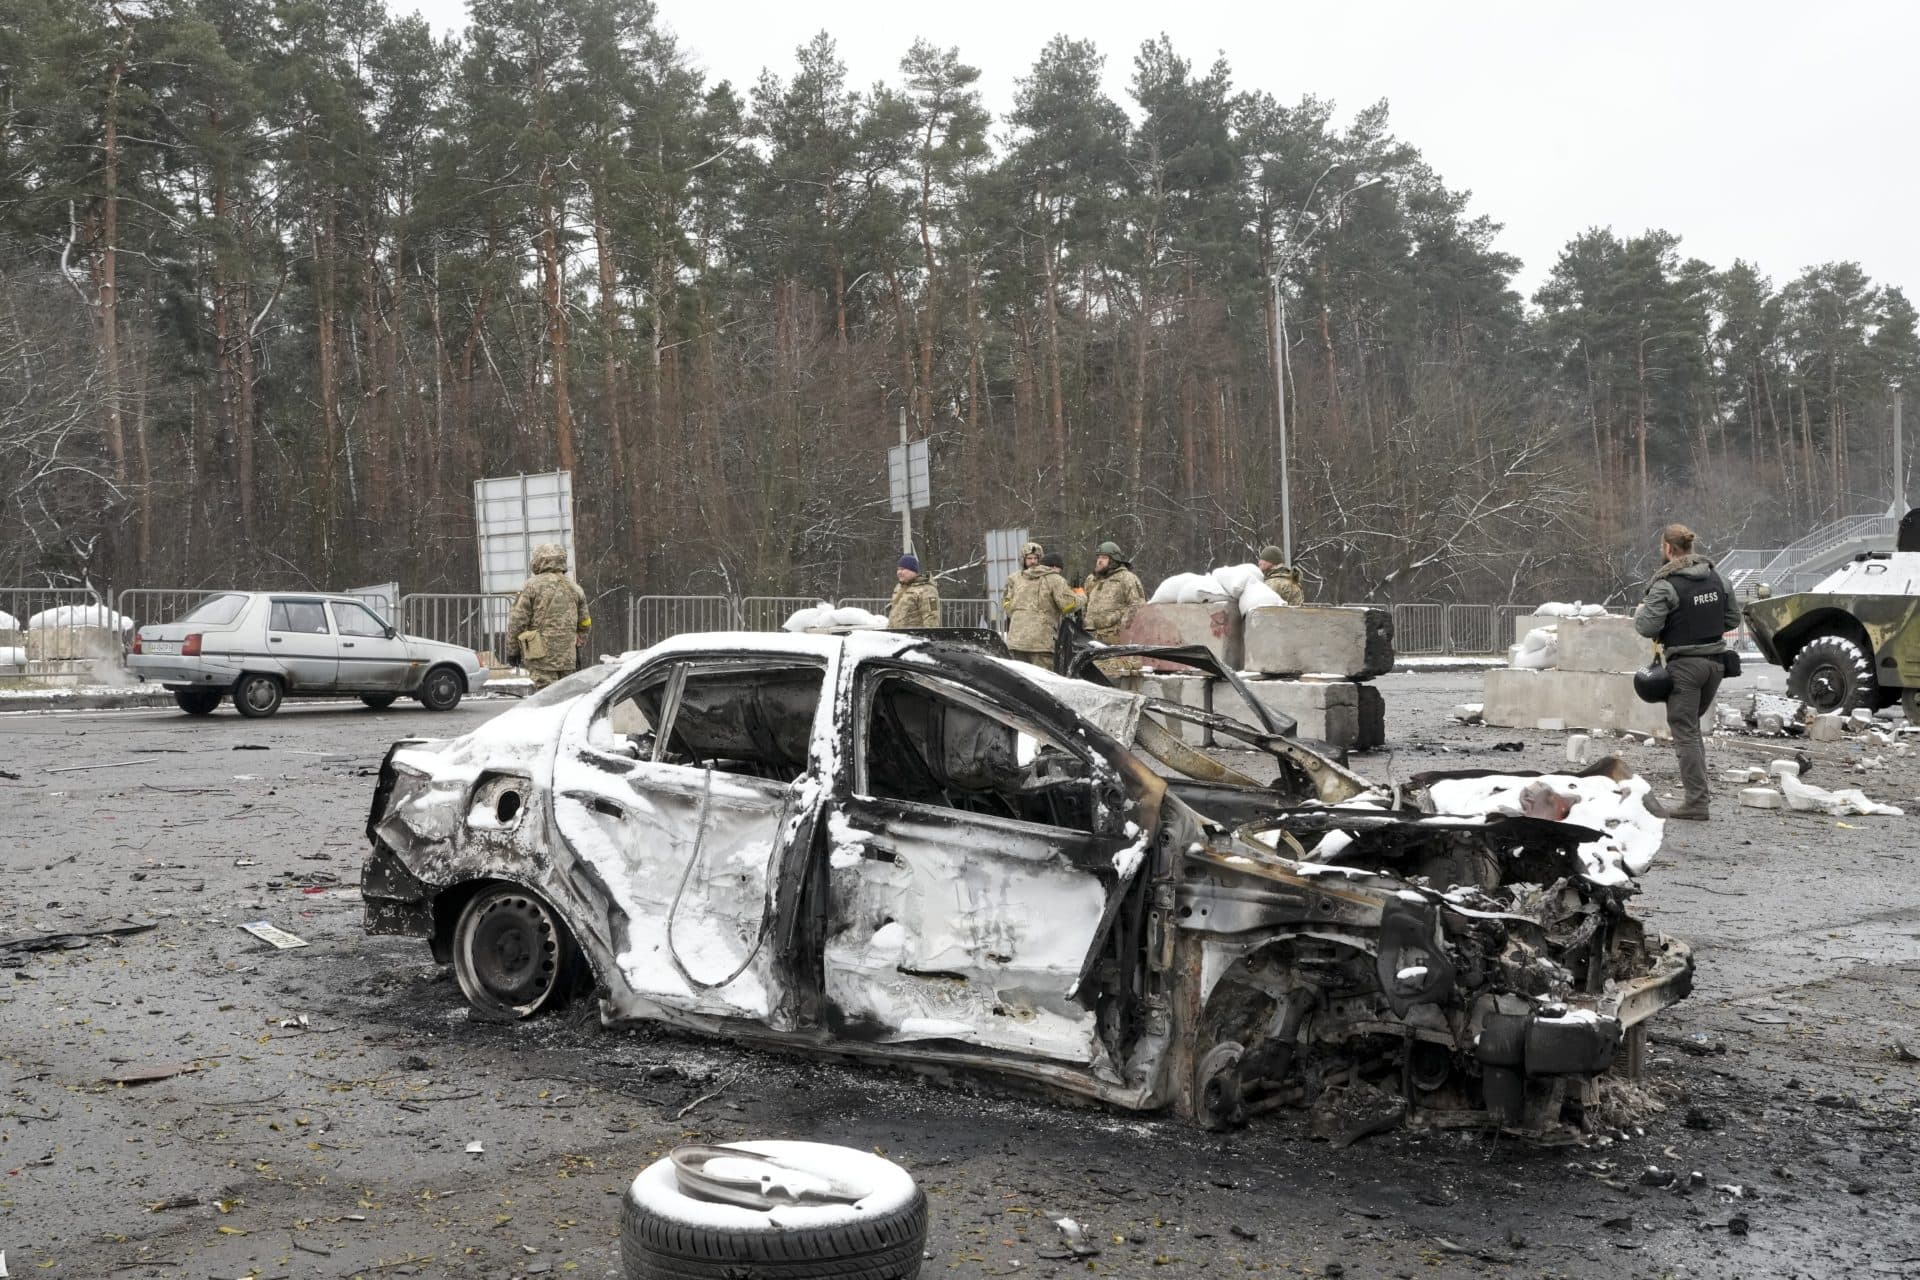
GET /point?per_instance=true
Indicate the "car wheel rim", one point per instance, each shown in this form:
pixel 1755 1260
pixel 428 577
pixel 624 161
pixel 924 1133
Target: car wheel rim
pixel 441 690
pixel 514 951
pixel 259 695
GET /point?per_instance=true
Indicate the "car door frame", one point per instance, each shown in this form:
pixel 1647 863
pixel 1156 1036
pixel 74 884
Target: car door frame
pixel 1135 792
pixel 298 667
pixel 787 997
pixel 383 663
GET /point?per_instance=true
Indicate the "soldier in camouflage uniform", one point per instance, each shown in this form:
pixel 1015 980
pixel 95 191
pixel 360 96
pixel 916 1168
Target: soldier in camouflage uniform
pixel 916 601
pixel 552 607
pixel 1113 593
pixel 1281 576
pixel 1035 601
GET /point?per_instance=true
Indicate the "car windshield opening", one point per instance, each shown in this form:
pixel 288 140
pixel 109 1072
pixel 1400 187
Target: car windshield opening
pixel 928 744
pixel 216 611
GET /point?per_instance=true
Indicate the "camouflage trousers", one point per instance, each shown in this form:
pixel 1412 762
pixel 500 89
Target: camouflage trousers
pixel 546 672
pixel 1035 657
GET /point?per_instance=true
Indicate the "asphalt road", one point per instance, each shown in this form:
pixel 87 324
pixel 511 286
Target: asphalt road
pixel 322 1100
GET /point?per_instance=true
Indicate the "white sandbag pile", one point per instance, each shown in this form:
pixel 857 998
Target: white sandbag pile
pixel 1538 650
pixel 824 615
pixel 1575 610
pixel 70 617
pixel 1243 584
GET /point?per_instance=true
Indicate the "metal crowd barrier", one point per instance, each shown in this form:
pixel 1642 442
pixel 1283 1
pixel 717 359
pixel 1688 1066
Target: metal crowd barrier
pixel 68 632
pixel 766 613
pixel 473 621
pixel 651 619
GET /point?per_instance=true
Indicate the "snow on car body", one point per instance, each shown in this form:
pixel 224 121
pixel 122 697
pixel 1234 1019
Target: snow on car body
pixel 890 846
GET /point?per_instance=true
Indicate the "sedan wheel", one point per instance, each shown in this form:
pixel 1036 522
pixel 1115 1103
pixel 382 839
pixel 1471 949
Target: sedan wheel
pixel 197 702
pixel 441 690
pixel 511 954
pixel 378 701
pixel 256 696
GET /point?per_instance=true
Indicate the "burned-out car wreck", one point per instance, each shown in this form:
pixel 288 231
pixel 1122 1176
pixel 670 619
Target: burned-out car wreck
pixel 899 848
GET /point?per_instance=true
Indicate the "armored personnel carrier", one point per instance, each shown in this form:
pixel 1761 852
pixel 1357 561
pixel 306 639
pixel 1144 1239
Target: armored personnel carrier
pixel 1854 640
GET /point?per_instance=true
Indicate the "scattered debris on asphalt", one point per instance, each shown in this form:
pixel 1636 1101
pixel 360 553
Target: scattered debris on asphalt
pixel 280 938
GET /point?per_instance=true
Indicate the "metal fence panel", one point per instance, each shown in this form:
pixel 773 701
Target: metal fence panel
pixel 66 633
pixel 766 613
pixel 469 619
pixel 969 611
pixel 651 619
pixel 1471 629
pixel 1419 629
pixel 148 606
pixel 1509 619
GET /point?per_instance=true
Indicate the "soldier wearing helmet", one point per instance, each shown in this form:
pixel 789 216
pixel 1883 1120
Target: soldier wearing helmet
pixel 1034 602
pixel 1113 593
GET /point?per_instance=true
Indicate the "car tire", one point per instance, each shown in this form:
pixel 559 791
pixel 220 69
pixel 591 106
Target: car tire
pixel 667 1234
pixel 442 689
pixel 198 702
pixel 379 701
pixel 512 954
pixel 1832 673
pixel 256 696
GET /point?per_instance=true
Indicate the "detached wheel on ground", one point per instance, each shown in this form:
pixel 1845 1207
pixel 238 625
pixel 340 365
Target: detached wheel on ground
pixel 379 701
pixel 1833 674
pixel 198 702
pixel 256 696
pixel 442 689
pixel 511 953
pixel 773 1211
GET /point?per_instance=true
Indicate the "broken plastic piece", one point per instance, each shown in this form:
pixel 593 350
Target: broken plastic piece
pixel 280 938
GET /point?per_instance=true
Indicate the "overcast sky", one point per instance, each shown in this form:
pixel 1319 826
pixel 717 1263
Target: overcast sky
pixel 1780 133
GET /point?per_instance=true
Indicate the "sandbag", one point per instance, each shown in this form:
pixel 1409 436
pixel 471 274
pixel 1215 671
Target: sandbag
pixel 819 615
pixel 1234 579
pixel 1258 595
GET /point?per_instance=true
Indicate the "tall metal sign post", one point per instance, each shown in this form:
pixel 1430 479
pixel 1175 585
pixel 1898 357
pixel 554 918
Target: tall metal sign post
pixel 1280 415
pixel 908 483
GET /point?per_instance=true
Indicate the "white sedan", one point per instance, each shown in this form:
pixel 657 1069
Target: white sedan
pixel 264 646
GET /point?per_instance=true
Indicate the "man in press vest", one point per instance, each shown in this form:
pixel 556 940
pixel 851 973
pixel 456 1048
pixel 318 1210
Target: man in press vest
pixel 1689 609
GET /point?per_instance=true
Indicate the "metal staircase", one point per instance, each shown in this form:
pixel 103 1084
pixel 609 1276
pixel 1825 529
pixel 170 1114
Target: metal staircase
pixel 1803 563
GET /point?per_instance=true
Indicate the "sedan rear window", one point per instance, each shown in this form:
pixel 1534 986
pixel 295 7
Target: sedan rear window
pixel 216 611
pixel 299 617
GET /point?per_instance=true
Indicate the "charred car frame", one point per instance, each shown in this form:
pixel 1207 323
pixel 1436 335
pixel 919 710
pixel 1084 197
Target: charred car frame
pixel 903 849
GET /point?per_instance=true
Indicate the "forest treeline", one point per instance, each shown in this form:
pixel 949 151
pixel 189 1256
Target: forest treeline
pixel 279 281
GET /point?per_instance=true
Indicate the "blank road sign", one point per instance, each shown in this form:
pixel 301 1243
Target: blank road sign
pixel 907 481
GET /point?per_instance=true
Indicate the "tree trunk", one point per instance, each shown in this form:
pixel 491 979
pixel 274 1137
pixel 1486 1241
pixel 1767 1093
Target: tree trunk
pixel 107 287
pixel 556 317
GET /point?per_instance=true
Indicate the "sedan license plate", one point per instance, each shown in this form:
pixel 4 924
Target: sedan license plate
pixel 160 646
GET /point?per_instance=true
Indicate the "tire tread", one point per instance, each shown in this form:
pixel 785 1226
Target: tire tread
pixel 884 1247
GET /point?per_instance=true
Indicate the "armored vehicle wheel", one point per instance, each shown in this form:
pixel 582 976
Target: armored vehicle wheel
pixel 1910 703
pixel 1832 674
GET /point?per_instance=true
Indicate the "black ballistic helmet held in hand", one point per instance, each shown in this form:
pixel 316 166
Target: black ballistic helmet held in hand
pixel 1653 682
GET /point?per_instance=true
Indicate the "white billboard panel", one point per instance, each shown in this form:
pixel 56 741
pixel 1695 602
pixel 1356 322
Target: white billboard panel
pixel 515 514
pixel 908 483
